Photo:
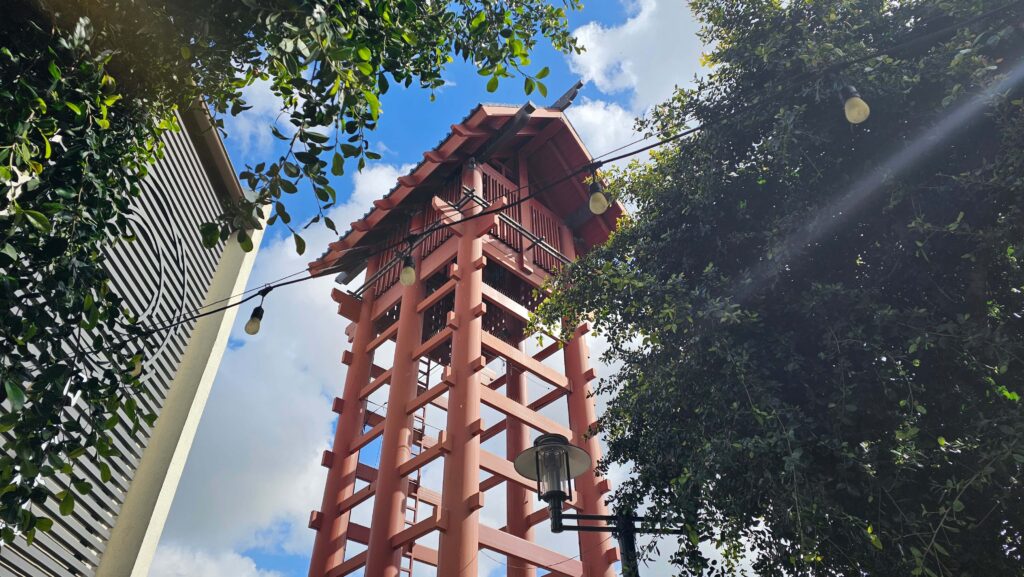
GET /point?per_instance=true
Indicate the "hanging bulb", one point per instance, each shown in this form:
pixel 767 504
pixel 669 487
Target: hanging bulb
pixel 854 107
pixel 408 275
pixel 598 199
pixel 252 326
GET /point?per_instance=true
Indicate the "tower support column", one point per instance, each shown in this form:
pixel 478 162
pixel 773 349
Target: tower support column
pixel 461 499
pixel 332 534
pixel 583 416
pixel 383 560
pixel 517 499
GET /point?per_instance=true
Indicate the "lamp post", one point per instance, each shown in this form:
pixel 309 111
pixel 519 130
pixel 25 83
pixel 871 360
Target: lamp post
pixel 553 463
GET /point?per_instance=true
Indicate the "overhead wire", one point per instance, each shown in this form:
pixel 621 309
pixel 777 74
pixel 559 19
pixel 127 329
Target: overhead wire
pixel 591 166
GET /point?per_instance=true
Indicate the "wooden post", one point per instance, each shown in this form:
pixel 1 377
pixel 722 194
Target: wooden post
pixel 388 519
pixel 460 541
pixel 341 478
pixel 518 499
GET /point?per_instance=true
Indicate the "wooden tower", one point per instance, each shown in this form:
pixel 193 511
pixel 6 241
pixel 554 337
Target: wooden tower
pixel 466 313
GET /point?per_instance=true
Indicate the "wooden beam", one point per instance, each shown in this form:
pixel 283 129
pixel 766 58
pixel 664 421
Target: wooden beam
pixel 410 534
pixel 432 343
pixel 425 457
pixel 349 306
pixel 387 335
pixel 506 304
pixel 349 566
pixel 500 402
pixel 375 384
pixel 496 465
pixel 364 439
pixel 518 548
pixel 428 396
pixel 523 361
pixel 358 497
pixel 443 291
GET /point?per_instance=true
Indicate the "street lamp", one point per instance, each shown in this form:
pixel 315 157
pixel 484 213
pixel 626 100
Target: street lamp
pixel 553 463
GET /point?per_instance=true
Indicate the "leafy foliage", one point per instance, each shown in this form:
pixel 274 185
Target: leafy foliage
pixel 72 155
pixel 87 87
pixel 819 324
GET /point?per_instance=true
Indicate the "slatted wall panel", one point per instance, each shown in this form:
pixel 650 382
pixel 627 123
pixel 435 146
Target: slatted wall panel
pixel 547 226
pixel 450 192
pixel 495 187
pixel 393 246
pixel 165 272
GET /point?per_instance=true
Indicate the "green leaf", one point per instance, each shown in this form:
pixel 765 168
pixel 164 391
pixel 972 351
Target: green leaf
pixel 316 136
pixel 492 84
pixel 54 71
pixel 337 165
pixel 74 108
pixel 528 86
pixel 245 241
pixel 543 73
pixel 374 103
pixel 10 251
pixel 105 475
pixel 300 244
pixel 38 220
pixel 478 21
pixel 67 502
pixel 44 524
pixel 210 233
pixel 543 89
pixel 15 394
pixel 364 53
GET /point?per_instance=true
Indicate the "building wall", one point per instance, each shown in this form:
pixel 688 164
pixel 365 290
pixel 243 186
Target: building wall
pixel 162 275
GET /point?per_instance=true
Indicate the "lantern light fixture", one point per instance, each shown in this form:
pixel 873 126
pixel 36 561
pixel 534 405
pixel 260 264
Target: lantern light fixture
pixel 553 463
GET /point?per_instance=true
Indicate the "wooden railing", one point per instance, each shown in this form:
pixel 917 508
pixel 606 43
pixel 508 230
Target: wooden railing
pixel 531 214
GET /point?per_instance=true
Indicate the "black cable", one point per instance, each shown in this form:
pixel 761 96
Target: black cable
pixel 591 166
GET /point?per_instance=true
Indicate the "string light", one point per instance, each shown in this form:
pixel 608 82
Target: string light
pixel 854 107
pixel 252 326
pixel 860 110
pixel 598 199
pixel 408 275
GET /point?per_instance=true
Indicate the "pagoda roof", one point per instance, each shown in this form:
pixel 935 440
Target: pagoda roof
pixel 544 137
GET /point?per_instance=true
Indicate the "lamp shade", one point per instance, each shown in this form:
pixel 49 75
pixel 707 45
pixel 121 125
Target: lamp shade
pixel 552 462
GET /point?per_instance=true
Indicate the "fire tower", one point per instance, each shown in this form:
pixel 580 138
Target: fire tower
pixel 460 344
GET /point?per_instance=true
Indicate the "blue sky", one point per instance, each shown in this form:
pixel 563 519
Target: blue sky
pixel 253 473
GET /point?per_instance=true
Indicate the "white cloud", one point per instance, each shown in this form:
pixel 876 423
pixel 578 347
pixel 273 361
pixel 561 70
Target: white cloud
pixel 250 130
pixel 253 474
pixel 183 562
pixel 603 126
pixel 655 50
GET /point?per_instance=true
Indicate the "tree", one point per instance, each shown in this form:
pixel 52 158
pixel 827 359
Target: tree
pixel 88 87
pixel 819 324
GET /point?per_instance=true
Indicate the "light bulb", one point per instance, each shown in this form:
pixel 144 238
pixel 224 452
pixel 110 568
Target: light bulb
pixel 598 200
pixel 252 326
pixel 854 107
pixel 408 275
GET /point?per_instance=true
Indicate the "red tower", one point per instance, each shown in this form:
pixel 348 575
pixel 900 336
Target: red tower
pixel 465 314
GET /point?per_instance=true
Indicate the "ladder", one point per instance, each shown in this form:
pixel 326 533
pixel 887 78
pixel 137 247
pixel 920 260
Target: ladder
pixel 411 504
